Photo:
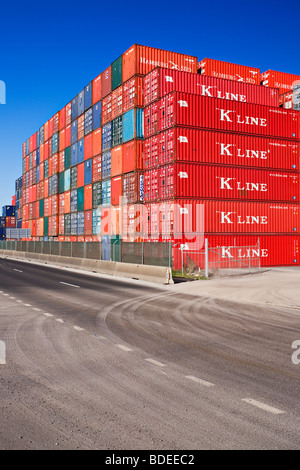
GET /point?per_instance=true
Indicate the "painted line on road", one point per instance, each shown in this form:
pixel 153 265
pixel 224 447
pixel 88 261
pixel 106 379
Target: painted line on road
pixel 156 363
pixel 5 294
pixel 78 328
pixel 47 314
pixel 124 348
pixel 199 381
pixel 18 270
pixel 59 320
pixel 27 305
pixel 263 406
pixel 20 301
pixel 37 309
pixel 156 323
pixel 71 285
pixel 12 297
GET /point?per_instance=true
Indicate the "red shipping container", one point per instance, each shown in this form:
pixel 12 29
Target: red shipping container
pixel 24 150
pixel 61 225
pixel 159 82
pixel 96 170
pixel 68 136
pixel 133 93
pixel 67 202
pixel 42 152
pixel 46 207
pixel 62 140
pixel 88 146
pixel 116 102
pixel 88 222
pixel 199 111
pixel 41 175
pixel 151 119
pixel 106 111
pixel 51 127
pixel 68 113
pixel 13 200
pixel 132 156
pixel 33 228
pixel 188 180
pixel 61 161
pixel 80 175
pixel 97 89
pixel 46 187
pixel 273 250
pixel 106 82
pixel 53 226
pixel 88 197
pixel 80 127
pixel 116 190
pixel 132 221
pixel 281 80
pixel 203 146
pixel 139 60
pixel 209 216
pixel 133 187
pixel 10 222
pixel 62 118
pixel 54 204
pixel 61 203
pixel 46 131
pixel 230 71
pixel 97 142
pixel 151 185
pixel 286 100
pixel 116 160
pixel 27 163
pixel 40 190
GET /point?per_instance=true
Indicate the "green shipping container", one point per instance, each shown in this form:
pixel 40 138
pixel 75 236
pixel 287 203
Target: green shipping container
pixel 80 199
pixel 61 183
pixel 116 73
pixel 46 169
pixel 41 212
pixel 97 194
pixel 67 157
pixel 46 226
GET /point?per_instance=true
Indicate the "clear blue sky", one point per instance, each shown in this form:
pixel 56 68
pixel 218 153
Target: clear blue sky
pixel 51 50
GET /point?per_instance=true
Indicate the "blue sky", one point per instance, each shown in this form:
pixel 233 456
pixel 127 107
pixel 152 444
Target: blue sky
pixel 51 50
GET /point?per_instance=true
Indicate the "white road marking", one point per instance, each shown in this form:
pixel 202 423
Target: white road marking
pixel 47 314
pixel 124 348
pixel 67 284
pixel 20 301
pixel 18 270
pixel 78 328
pixel 263 406
pixel 1 291
pixel 5 294
pixel 156 323
pixel 59 320
pixel 37 309
pixel 12 297
pixel 200 381
pixel 156 363
pixel 27 305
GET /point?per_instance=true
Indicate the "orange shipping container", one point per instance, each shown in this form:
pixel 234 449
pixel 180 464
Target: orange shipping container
pixel 116 160
pixel 46 187
pixel 236 72
pixel 41 171
pixel 33 228
pixel 61 161
pixel 133 156
pixel 47 150
pixel 106 111
pixel 42 152
pixel 88 146
pixel 97 142
pixel 67 202
pixel 96 171
pixel 62 118
pixel 41 227
pixel 80 175
pixel 133 93
pixel 139 60
pixel 117 102
pixel 97 89
pixel 88 197
pixel 46 131
pixel 62 140
pixel 68 113
pixel 46 207
pixel 116 190
pixel 68 136
pixel 61 225
pixel 61 203
pixel 51 126
pixel 283 81
pixel 106 82
pixel 80 127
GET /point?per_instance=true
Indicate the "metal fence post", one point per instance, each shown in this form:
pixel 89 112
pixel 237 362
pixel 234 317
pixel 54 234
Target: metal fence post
pixel 206 257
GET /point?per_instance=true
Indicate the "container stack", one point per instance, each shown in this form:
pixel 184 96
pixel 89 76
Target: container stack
pixel 221 159
pixel 8 220
pixel 155 144
pixel 18 202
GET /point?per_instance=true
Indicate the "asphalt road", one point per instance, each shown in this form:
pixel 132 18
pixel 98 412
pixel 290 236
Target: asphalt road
pixel 102 363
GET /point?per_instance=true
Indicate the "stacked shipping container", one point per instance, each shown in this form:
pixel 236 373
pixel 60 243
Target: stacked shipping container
pixel 151 132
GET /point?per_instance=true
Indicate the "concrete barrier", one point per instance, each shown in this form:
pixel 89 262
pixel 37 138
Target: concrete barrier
pixel 158 274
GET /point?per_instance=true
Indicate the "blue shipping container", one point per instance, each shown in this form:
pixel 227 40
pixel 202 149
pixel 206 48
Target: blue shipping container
pixel 19 223
pixel 88 121
pixel 74 224
pixel 27 146
pixel 74 132
pixel 133 125
pixel 2 233
pixel 38 156
pixel 96 222
pixel 106 192
pixel 55 143
pixel 74 154
pixel 81 103
pixel 106 137
pixel 106 247
pixel 38 138
pixel 8 211
pixel 80 223
pixel 74 200
pixel 88 167
pixel 67 178
pixel 88 96
pixel 97 115
pixel 74 108
pixel 106 164
pixel 42 135
pixel 80 148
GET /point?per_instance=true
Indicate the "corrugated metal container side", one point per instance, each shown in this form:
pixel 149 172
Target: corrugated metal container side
pixel 116 160
pixel 199 111
pixel 88 197
pixel 67 158
pixel 274 250
pixel 133 124
pixel 80 127
pixel 117 102
pixel 62 118
pixel 80 150
pixel 68 136
pixel 67 182
pixel 139 60
pixel 88 146
pixel 133 93
pixel 151 184
pixel 88 171
pixel 159 82
pixel 281 80
pixel 206 181
pixel 116 190
pixel 117 131
pixel 230 71
pixel 203 146
pixel 133 187
pixel 97 165
pixel 97 142
pixel 68 114
pixel 116 73
pixel 88 222
pixel 74 109
pixel 74 154
pixel 80 175
pixel 97 89
pixel 74 132
pixel 96 115
pixel 132 156
pixel 107 109
pixel 97 222
pixel 151 119
pixel 80 103
pixel 88 121
pixel 106 82
pixel 88 96
pixel 106 192
pixel 74 224
pixel 80 199
pixel 209 216
pixel 106 137
pixel 106 164
pixel 97 194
